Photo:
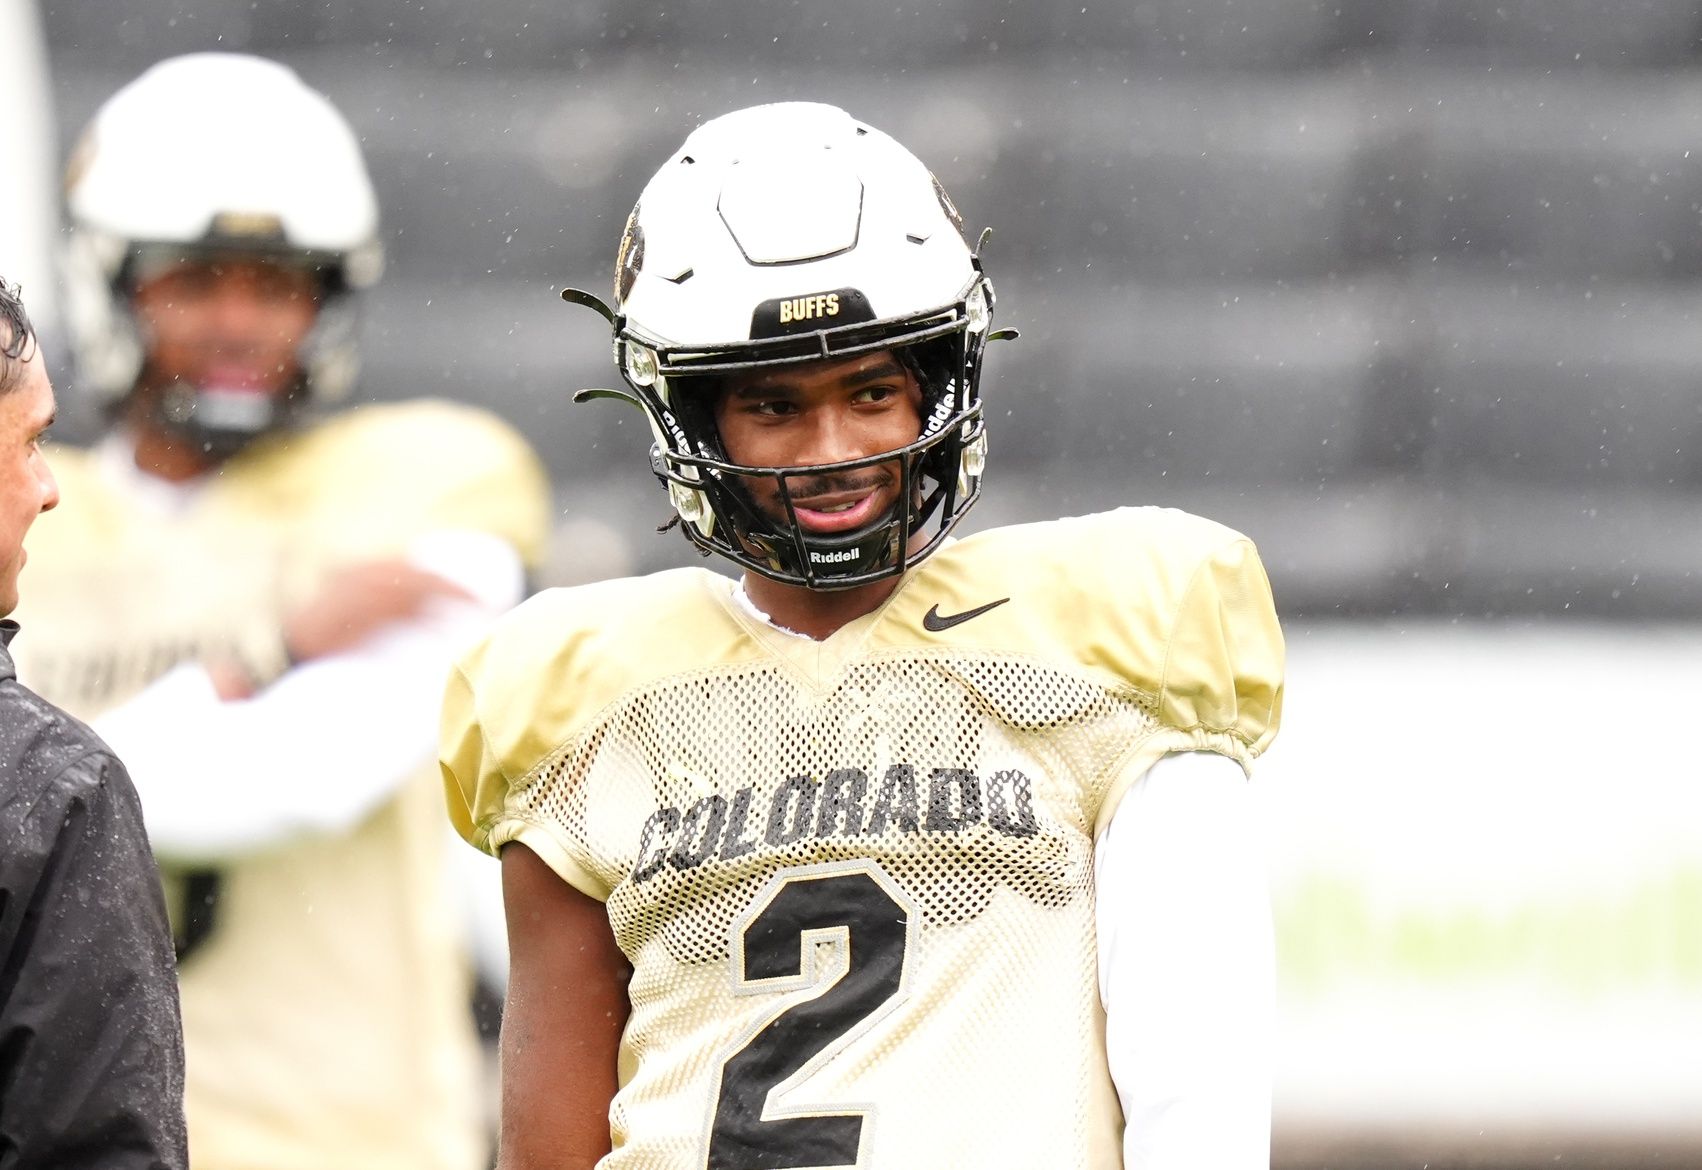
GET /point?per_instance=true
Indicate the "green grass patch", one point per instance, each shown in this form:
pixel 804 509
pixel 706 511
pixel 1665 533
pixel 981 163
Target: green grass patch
pixel 1649 937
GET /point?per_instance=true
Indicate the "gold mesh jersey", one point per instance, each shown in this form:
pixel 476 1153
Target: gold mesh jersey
pixel 854 877
pixel 325 1006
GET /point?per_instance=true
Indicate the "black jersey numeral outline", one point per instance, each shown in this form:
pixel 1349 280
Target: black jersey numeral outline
pixel 858 909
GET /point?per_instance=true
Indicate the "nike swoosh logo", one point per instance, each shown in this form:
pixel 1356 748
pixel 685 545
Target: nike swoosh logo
pixel 934 623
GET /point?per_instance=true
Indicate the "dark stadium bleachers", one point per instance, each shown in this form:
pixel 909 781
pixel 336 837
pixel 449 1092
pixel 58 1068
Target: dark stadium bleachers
pixel 1181 180
pixel 1196 384
pixel 1591 386
pixel 1411 291
pixel 1594 176
pixel 1257 35
pixel 1630 33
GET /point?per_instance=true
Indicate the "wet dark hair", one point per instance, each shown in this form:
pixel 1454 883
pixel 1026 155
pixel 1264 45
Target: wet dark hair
pixel 18 339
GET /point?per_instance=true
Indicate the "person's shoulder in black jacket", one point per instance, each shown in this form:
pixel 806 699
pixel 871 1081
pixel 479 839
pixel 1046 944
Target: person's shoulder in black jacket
pixel 91 1038
pixel 91 1048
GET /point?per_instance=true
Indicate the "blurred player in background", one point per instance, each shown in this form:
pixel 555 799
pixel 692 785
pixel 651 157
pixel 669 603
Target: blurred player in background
pixel 900 851
pixel 256 604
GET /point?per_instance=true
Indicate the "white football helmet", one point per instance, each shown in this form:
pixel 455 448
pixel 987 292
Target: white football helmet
pixel 220 153
pixel 793 233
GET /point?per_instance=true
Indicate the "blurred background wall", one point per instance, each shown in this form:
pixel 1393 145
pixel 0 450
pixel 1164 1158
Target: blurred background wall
pixel 1408 290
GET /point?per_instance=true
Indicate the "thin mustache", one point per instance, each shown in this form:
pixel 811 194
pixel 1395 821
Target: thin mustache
pixel 826 485
pixel 229 350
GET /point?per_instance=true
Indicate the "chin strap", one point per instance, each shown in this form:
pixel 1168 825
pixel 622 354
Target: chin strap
pixel 221 423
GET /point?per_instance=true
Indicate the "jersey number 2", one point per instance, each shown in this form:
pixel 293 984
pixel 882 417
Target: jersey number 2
pixel 775 948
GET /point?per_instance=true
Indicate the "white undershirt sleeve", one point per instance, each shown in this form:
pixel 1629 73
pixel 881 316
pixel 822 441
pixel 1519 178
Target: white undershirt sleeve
pixel 1187 967
pixel 325 744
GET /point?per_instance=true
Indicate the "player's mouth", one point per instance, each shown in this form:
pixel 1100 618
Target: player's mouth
pixel 237 378
pixel 844 510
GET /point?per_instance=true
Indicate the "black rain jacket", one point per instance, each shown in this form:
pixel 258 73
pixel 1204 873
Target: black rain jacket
pixel 91 1041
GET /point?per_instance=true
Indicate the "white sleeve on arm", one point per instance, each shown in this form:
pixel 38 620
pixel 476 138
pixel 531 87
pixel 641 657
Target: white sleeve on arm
pixel 323 746
pixel 1187 967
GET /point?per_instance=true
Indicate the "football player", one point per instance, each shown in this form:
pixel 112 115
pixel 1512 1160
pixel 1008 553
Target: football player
pixel 256 601
pixel 900 850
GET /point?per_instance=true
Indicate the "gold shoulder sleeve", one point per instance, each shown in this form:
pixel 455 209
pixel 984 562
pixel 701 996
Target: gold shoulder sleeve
pixel 521 699
pixel 472 782
pixel 476 785
pixel 391 472
pixel 1224 663
pixel 494 484
pixel 1216 672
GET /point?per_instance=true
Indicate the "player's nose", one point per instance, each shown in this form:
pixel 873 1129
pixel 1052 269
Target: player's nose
pixel 832 436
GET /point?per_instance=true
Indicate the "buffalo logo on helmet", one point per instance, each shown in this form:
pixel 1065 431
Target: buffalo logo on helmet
pixel 630 258
pixel 946 205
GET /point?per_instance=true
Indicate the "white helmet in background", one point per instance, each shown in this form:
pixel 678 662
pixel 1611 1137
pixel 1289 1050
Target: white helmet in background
pixel 216 153
pixel 792 233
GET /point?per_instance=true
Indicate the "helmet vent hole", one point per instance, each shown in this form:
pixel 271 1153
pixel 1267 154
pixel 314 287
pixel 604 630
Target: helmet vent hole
pixel 682 277
pixel 688 160
pixel 916 239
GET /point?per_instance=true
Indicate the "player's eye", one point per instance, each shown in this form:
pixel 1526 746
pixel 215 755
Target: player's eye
pixel 190 283
pixel 284 285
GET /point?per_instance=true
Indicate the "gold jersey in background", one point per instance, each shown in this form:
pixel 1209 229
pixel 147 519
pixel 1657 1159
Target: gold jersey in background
pixel 324 980
pixel 854 877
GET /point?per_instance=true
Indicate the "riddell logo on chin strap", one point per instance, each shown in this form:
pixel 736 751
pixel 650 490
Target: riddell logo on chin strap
pixel 835 558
